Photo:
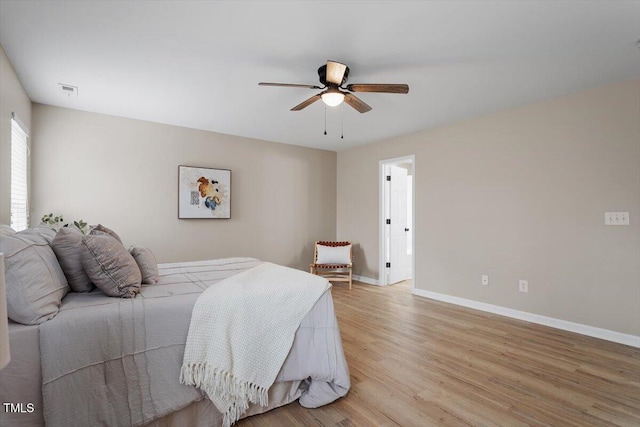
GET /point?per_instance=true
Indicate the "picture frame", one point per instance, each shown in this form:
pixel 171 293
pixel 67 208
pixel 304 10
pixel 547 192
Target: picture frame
pixel 204 193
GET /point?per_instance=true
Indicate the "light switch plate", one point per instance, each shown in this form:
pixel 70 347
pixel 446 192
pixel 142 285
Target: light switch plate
pixel 485 279
pixel 616 218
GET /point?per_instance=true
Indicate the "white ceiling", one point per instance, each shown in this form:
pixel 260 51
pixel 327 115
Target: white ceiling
pixel 197 64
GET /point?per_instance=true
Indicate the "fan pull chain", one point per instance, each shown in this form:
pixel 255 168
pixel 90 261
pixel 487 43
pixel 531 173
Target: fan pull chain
pixel 325 119
pixel 342 121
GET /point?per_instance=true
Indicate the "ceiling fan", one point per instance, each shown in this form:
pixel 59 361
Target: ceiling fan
pixel 334 76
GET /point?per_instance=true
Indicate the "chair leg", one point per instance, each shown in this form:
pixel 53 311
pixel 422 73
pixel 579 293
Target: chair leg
pixel 350 278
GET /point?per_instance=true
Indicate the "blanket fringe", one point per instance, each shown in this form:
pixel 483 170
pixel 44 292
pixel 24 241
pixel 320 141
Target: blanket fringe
pixel 222 384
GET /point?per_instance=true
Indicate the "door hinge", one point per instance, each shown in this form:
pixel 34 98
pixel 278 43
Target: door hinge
pixel 388 221
pixel 388 177
pixel 388 265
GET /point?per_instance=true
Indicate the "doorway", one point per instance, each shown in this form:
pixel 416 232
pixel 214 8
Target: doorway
pixel 397 213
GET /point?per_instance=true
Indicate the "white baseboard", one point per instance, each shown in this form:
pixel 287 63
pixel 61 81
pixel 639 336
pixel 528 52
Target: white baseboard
pixel 565 325
pixel 367 280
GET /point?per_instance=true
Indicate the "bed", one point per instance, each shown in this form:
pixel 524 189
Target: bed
pixel 116 362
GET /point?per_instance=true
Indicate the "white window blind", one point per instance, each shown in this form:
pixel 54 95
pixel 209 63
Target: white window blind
pixel 19 185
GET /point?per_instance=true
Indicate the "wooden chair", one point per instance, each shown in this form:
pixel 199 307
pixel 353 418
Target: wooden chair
pixel 333 261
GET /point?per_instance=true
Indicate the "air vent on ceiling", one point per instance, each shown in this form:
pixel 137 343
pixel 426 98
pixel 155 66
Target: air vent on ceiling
pixel 68 90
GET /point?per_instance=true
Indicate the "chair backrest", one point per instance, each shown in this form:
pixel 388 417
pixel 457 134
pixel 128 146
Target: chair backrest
pixel 331 244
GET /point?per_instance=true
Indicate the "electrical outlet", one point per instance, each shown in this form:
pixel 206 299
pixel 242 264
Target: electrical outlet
pixel 523 286
pixel 485 279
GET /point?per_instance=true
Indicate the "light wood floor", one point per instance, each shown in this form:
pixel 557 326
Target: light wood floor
pixel 419 362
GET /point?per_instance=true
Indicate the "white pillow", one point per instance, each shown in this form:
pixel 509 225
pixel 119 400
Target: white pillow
pixel 334 254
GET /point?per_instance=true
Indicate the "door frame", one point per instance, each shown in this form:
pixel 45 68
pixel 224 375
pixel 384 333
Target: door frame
pixel 382 249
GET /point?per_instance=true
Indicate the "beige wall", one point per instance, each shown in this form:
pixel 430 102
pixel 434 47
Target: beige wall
pixel 13 99
pixel 123 173
pixel 519 194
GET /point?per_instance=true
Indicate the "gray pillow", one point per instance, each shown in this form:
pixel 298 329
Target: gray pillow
pixel 147 263
pixel 42 230
pixel 67 246
pixel 6 230
pixel 102 229
pixel 110 266
pixel 34 280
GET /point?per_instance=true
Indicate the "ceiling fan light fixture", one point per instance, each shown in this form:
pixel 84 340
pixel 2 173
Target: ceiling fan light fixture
pixel 333 77
pixel 333 99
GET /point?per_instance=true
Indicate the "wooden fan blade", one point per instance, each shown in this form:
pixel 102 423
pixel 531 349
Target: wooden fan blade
pixel 335 72
pixel 356 103
pixel 306 103
pixel 382 88
pixel 289 85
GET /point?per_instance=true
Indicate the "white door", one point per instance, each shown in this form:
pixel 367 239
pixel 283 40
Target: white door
pixel 399 256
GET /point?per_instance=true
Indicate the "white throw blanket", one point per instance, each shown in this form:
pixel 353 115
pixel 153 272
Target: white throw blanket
pixel 241 331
